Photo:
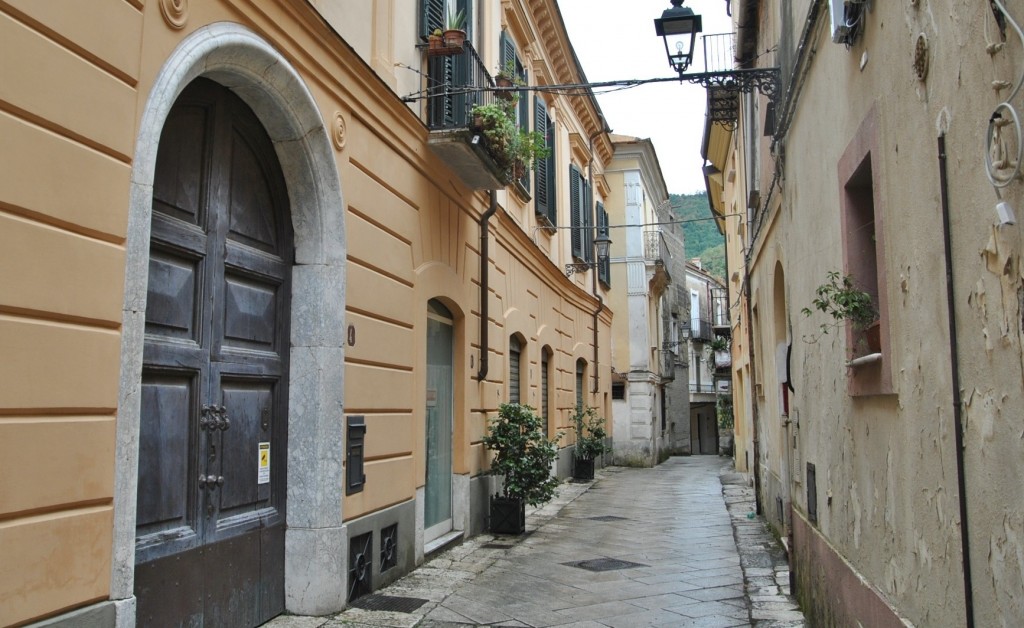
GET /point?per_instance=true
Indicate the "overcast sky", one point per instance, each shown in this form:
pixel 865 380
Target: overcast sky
pixel 615 39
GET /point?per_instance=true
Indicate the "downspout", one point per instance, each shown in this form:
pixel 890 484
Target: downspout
pixel 954 368
pixel 485 285
pixel 593 221
pixel 754 413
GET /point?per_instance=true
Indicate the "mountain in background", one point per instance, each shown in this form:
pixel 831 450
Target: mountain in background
pixel 702 237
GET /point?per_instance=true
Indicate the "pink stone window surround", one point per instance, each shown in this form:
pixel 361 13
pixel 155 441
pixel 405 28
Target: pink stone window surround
pixel 862 215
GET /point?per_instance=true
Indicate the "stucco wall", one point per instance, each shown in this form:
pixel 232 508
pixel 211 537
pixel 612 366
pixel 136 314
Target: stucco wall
pixel 887 496
pixel 71 123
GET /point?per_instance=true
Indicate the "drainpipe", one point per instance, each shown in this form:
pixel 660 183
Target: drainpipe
pixel 485 285
pixel 754 413
pixel 593 221
pixel 954 368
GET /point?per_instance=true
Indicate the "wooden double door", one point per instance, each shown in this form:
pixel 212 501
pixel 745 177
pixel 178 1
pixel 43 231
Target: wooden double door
pixel 213 430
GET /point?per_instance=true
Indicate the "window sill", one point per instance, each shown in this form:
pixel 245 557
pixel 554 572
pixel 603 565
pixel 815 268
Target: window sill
pixel 864 360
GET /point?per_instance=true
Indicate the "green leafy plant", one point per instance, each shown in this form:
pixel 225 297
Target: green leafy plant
pixel 723 408
pixel 523 455
pixel 841 300
pixel 455 19
pixel 590 433
pixel 507 144
pixel 720 343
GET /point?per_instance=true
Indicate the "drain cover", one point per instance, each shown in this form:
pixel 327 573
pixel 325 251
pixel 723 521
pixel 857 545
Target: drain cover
pixel 604 564
pixel 608 518
pixel 377 602
pixel 496 546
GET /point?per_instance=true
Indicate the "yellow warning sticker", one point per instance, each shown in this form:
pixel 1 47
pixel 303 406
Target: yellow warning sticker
pixel 263 470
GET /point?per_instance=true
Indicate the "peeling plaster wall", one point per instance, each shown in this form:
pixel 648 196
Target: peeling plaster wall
pixel 887 494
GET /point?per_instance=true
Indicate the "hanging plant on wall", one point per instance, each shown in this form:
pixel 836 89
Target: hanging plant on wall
pixel 512 149
pixel 840 299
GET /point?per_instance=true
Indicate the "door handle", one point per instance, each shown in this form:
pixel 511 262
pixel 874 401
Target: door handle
pixel 211 481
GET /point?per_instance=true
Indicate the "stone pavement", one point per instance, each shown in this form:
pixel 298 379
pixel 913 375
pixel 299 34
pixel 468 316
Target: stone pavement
pixel 637 547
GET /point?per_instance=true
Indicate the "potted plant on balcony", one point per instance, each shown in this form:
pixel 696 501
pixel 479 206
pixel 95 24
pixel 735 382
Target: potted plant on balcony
pixel 840 299
pixel 454 31
pixel 720 350
pixel 513 150
pixel 507 77
pixel 590 442
pixel 523 457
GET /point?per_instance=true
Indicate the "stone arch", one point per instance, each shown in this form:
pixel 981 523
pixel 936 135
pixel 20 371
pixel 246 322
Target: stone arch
pixel 316 543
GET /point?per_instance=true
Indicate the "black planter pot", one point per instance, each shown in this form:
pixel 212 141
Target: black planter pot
pixel 508 516
pixel 583 468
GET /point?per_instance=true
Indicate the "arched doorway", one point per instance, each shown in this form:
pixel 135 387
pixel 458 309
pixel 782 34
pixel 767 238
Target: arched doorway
pixel 315 538
pixel 437 506
pixel 213 423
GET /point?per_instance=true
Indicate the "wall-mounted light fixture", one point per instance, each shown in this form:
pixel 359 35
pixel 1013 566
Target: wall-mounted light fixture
pixel 678 27
pixel 602 245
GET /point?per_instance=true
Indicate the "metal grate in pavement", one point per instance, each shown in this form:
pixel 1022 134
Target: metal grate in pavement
pixel 378 602
pixel 496 546
pixel 608 518
pixel 604 564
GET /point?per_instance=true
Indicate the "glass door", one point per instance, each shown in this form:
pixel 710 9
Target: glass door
pixel 437 511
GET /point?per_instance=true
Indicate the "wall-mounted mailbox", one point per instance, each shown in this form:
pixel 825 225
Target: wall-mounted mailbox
pixel 354 437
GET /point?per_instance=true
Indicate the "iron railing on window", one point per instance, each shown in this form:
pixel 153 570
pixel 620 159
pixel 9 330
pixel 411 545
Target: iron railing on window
pixel 455 84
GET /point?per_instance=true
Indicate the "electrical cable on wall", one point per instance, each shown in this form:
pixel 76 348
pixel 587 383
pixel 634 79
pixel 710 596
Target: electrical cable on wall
pixel 997 156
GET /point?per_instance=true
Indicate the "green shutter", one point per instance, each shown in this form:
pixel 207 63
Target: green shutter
pixel 540 124
pixel 576 211
pixel 431 16
pixel 552 169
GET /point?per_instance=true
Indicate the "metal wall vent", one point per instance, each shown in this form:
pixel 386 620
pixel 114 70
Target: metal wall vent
pixel 604 564
pixel 389 547
pixel 360 565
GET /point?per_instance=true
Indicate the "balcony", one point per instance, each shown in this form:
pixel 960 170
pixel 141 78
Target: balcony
pixel 455 85
pixel 701 330
pixel 656 254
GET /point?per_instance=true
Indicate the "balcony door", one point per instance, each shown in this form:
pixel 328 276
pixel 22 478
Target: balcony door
pixel 447 74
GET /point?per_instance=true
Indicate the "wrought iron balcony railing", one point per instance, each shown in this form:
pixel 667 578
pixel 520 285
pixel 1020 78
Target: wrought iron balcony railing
pixel 701 330
pixel 456 84
pixel 655 247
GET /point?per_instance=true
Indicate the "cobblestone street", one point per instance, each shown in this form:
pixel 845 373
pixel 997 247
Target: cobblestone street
pixel 675 545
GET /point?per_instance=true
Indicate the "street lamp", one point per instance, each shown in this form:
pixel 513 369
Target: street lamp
pixel 678 26
pixel 602 245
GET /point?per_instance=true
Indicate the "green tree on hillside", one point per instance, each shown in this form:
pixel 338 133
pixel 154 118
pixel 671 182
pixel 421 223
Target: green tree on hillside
pixel 702 237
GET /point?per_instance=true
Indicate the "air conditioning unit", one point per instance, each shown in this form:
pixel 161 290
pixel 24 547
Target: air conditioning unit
pixel 845 17
pixel 840 31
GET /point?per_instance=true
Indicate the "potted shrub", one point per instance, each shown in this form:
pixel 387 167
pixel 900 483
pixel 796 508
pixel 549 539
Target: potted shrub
pixel 510 147
pixel 720 349
pixel 843 302
pixel 507 77
pixel 523 457
pixel 590 442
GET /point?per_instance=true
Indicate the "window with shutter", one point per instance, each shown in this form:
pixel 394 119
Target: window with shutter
pixel 447 74
pixel 581 365
pixel 514 353
pixel 540 192
pixel 604 267
pixel 576 211
pixel 588 222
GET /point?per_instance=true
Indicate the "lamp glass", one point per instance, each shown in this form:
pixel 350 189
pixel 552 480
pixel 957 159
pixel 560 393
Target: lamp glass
pixel 678 26
pixel 602 243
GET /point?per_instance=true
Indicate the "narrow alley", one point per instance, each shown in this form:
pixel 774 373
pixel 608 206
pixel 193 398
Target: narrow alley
pixel 673 545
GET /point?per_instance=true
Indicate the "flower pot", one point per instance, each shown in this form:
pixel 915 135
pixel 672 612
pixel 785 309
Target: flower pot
pixel 873 336
pixel 508 515
pixel 455 39
pixel 504 81
pixel 583 468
